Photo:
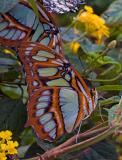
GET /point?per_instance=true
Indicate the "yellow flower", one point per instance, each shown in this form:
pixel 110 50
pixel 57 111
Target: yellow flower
pixel 11 147
pixel 74 47
pixel 94 25
pixel 7 146
pixel 6 135
pixel 3 156
pixel 3 147
pixel 88 8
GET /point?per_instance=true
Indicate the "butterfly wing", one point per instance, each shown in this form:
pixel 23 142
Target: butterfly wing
pixel 62 6
pixel 59 99
pixel 21 24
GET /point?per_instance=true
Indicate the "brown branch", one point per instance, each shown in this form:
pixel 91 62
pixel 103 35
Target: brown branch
pixel 82 135
pixel 54 153
pixel 96 135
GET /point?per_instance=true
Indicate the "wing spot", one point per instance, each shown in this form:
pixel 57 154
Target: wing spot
pixel 38 58
pixel 42 105
pixel 35 83
pixel 40 112
pixel 27 53
pixel 52 134
pixel 47 92
pixel 49 126
pixel 44 72
pixel 29 48
pixel 45 118
pixel 44 98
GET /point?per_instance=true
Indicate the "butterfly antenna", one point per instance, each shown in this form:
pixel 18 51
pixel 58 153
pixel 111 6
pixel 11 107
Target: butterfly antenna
pixel 78 132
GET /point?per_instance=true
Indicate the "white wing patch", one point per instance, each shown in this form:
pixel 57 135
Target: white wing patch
pixel 69 107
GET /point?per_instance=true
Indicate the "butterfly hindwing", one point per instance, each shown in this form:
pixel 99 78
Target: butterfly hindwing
pixel 56 91
pixel 53 111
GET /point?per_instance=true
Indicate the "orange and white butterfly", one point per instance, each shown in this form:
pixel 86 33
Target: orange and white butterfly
pixel 59 98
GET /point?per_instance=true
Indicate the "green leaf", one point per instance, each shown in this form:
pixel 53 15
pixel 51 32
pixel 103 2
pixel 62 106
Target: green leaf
pixel 111 100
pixel 12 115
pixel 89 47
pixel 33 4
pixel 6 5
pixel 12 91
pixel 9 65
pixel 110 88
pixel 113 112
pixel 113 15
pixel 27 136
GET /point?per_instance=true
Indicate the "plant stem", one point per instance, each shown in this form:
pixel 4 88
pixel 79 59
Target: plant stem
pixel 79 146
pixel 68 148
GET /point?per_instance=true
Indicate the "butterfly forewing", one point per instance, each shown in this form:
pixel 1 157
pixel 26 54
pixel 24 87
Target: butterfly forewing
pixel 59 98
pixel 21 24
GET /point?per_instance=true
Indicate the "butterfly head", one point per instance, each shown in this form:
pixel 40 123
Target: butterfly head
pixel 67 67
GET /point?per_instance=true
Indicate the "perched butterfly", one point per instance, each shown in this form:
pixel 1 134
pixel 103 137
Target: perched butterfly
pixel 21 24
pixel 62 6
pixel 59 98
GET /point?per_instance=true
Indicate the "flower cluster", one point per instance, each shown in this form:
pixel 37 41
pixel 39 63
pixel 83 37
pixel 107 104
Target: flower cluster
pixel 93 24
pixel 7 146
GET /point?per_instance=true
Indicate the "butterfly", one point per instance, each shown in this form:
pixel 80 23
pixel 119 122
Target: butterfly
pixel 62 6
pixel 59 98
pixel 21 24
